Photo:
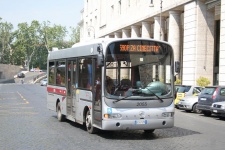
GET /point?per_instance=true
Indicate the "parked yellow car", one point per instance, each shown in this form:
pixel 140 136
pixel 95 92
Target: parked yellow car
pixel 186 90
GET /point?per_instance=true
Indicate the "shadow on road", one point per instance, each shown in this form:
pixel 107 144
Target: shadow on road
pixel 138 134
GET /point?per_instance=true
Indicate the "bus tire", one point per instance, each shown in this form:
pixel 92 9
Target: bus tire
pixel 88 123
pixel 149 131
pixel 60 116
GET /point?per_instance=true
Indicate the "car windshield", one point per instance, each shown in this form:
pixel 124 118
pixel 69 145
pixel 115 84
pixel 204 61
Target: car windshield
pixel 183 89
pixel 208 90
pixel 137 74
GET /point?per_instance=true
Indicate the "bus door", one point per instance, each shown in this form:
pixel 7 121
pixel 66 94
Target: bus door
pixel 71 80
pixel 97 94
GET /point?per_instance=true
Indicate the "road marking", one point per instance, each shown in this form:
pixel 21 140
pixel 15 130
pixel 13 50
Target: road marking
pixel 6 92
pixel 21 96
pixel 17 113
pixel 14 107
pixel 12 104
pixel 7 98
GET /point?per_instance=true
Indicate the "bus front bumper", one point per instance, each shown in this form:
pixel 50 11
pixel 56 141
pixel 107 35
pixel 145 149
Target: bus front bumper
pixel 141 124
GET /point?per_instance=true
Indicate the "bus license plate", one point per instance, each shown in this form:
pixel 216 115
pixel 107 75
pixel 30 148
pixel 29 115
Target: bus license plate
pixel 140 122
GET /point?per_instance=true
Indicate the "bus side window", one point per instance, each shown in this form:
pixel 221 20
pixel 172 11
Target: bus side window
pixel 98 84
pixel 85 73
pixel 58 79
pixel 74 74
pixel 60 73
pixel 51 73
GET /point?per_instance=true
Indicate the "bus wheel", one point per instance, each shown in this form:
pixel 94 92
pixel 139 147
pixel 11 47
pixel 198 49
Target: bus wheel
pixel 60 116
pixel 90 128
pixel 149 131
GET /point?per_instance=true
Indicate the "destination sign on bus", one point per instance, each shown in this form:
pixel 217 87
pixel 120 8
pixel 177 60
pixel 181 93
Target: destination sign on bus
pixel 139 48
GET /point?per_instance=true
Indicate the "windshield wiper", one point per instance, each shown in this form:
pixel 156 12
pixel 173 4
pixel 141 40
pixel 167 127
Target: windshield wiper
pixel 138 91
pixel 155 95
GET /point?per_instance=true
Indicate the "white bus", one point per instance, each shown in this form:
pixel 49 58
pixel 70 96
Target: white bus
pixel 113 84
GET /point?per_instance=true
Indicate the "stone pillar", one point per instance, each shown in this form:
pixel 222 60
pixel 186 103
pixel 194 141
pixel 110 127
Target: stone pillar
pixel 159 27
pixel 124 72
pixel 152 30
pixel 135 31
pixel 189 57
pixel 198 52
pixel 174 33
pixel 118 35
pixel 145 30
pixel 126 33
pixel 222 45
pixel 159 35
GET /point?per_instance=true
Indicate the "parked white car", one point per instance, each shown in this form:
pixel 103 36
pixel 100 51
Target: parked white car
pixel 44 82
pixel 218 108
pixel 35 70
pixel 189 104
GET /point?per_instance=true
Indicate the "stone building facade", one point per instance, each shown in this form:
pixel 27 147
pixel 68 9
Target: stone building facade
pixel 195 29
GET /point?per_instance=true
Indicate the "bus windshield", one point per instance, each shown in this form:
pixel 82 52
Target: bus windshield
pixel 137 69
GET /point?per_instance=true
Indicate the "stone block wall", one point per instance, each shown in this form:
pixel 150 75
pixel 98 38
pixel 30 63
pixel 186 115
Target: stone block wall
pixel 8 71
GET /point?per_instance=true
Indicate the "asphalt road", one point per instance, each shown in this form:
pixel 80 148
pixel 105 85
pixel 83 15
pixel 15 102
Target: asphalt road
pixel 27 124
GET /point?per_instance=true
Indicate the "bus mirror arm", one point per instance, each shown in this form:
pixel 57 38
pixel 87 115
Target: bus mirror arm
pixel 100 58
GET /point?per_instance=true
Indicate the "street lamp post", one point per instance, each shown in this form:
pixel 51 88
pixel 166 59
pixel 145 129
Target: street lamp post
pixel 160 21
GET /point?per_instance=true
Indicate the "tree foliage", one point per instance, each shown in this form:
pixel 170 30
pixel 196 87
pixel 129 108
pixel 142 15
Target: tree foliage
pixel 202 81
pixel 177 82
pixel 5 40
pixel 29 44
pixel 75 35
pixel 54 36
pixel 27 40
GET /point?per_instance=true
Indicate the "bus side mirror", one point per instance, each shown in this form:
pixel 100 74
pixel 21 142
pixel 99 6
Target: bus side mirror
pixel 177 67
pixel 100 57
pixel 100 60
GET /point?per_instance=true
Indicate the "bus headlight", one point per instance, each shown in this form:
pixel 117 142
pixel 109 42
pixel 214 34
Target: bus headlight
pixel 113 116
pixel 168 114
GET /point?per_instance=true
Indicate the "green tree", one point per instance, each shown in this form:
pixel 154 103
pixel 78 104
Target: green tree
pixel 53 36
pixel 29 44
pixel 75 35
pixel 202 81
pixel 177 82
pixel 27 40
pixel 5 41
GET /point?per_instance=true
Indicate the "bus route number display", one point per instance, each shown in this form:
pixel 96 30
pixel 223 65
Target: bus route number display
pixel 139 48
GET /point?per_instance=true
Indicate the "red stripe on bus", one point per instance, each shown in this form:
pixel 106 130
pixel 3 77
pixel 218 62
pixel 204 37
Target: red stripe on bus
pixel 56 91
